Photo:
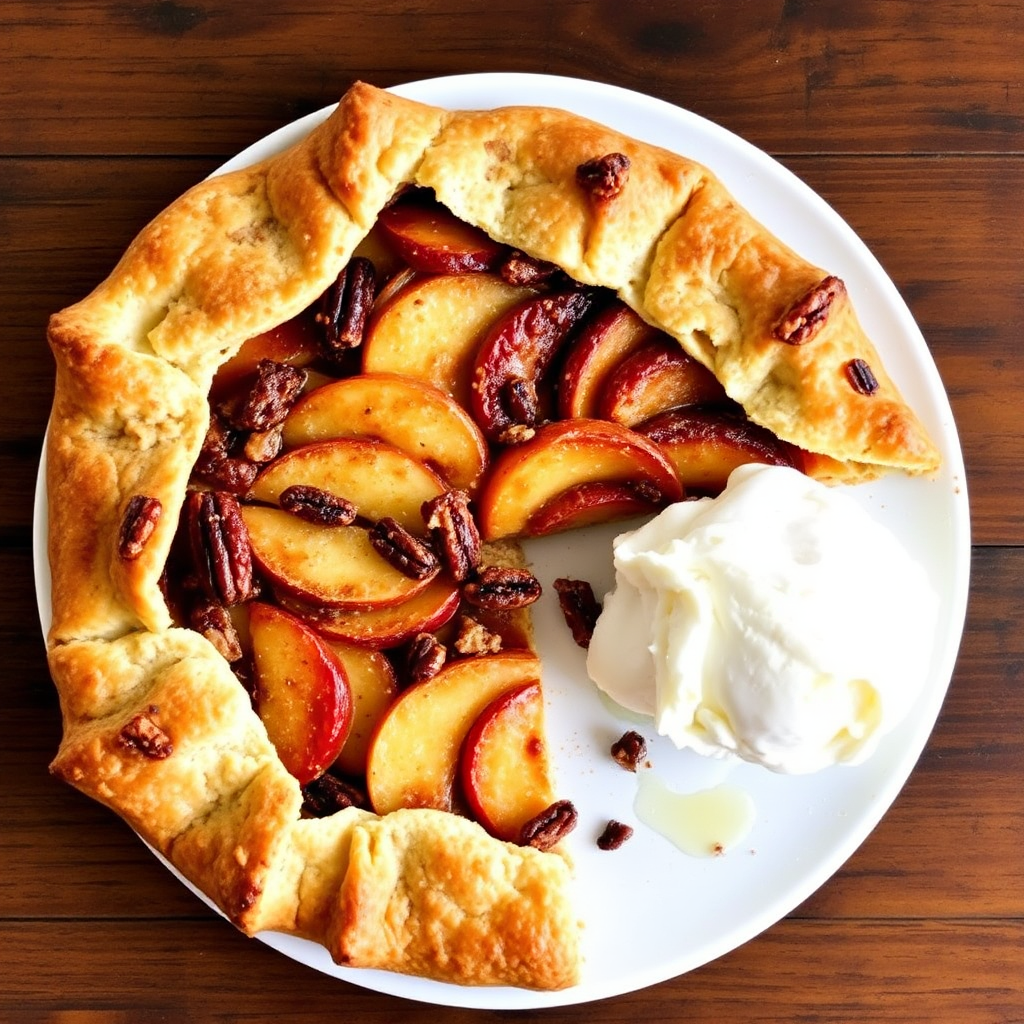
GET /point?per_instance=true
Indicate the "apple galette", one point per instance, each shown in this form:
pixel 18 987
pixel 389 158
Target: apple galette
pixel 296 436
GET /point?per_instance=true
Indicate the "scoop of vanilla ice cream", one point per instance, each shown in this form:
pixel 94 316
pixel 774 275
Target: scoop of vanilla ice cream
pixel 778 623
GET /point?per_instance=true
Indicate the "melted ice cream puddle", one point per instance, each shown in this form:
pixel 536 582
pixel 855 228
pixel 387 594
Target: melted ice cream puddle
pixel 702 824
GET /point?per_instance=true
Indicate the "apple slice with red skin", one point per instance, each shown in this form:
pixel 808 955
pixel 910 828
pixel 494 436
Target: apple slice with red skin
pixel 301 691
pixel 414 755
pixel 504 767
pixel 374 686
pixel 411 415
pixel 656 377
pixel 431 239
pixel 390 626
pixel 295 342
pixel 603 342
pixel 561 456
pixel 432 328
pixel 706 445
pixel 334 566
pixel 519 348
pixel 586 504
pixel 379 479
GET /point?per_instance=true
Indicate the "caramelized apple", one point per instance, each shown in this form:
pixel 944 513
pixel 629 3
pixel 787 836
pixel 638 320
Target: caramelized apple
pixel 377 478
pixel 373 684
pixel 586 504
pixel 431 329
pixel 706 445
pixel 603 342
pixel 301 691
pixel 561 456
pixel 656 377
pixel 503 766
pixel 324 565
pixel 431 239
pixel 415 752
pixel 389 626
pixel 409 414
pixel 515 355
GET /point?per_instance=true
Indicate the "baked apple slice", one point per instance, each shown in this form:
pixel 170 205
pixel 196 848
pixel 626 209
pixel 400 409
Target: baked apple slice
pixel 411 415
pixel 386 627
pixel 658 376
pixel 373 684
pixel 415 753
pixel 586 504
pixel 516 353
pixel 431 328
pixel 335 566
pixel 504 767
pixel 560 457
pixel 603 342
pixel 377 478
pixel 706 445
pixel 432 240
pixel 300 690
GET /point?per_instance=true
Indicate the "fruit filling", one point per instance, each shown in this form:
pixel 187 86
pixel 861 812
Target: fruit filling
pixel 348 541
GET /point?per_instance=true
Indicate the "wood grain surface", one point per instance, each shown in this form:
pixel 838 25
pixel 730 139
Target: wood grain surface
pixel 906 115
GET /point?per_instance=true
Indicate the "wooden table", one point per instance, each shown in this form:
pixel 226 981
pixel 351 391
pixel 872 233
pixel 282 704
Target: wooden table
pixel 907 116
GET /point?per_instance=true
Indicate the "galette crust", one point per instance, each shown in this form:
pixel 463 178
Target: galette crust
pixel 416 891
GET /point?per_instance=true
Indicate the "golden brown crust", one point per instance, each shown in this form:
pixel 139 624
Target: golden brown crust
pixel 678 248
pixel 155 724
pixel 428 893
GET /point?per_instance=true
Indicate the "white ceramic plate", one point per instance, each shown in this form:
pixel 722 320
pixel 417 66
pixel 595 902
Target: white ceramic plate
pixel 651 912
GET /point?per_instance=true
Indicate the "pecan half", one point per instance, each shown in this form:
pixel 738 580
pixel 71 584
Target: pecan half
pixel 345 307
pixel 316 505
pixel 808 314
pixel 141 515
pixel 263 446
pixel 474 638
pixel 604 177
pixel 142 734
pixel 426 657
pixel 614 835
pixel 629 750
pixel 550 827
pixel 524 271
pixel 519 398
pixel 580 608
pixel 273 393
pixel 212 620
pixel 220 548
pixel 328 794
pixel 454 533
pixel 218 466
pixel 408 554
pixel 498 587
pixel 861 377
